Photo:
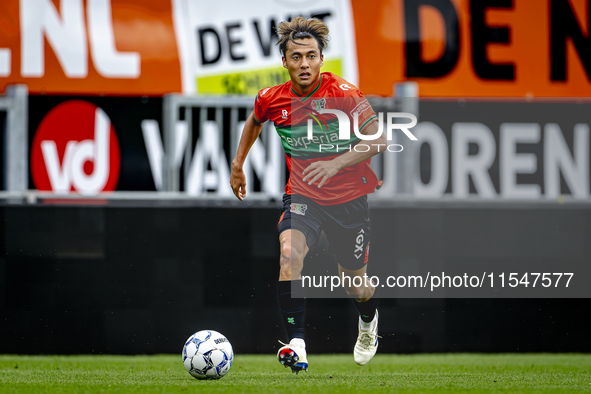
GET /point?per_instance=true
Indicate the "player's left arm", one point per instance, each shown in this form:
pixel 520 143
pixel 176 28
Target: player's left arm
pixel 323 170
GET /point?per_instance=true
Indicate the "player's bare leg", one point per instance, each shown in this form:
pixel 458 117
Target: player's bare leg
pixel 293 251
pixel 367 340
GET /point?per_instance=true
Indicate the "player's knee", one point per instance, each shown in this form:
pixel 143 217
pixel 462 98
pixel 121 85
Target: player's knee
pixel 291 262
pixel 360 293
pixel 355 292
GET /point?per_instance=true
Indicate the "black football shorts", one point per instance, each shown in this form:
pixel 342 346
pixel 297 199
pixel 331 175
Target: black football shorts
pixel 346 226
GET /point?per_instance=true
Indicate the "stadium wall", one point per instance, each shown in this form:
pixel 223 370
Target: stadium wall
pixel 134 280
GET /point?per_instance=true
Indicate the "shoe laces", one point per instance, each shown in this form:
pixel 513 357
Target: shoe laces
pixel 366 339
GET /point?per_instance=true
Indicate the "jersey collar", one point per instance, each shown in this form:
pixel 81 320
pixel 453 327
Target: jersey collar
pixel 312 91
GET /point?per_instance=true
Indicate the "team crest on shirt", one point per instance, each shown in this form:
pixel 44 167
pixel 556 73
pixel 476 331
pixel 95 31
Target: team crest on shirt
pixel 319 105
pixel 298 209
pixel 284 113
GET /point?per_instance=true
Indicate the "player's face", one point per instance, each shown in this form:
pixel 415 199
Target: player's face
pixel 303 61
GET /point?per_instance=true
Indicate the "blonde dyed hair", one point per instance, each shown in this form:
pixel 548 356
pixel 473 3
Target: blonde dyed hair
pixel 299 28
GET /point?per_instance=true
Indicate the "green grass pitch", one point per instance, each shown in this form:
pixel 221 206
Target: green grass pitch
pixel 425 373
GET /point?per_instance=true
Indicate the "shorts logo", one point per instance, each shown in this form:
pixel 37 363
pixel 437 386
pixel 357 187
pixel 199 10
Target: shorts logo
pixel 319 105
pixel 359 244
pixel 299 209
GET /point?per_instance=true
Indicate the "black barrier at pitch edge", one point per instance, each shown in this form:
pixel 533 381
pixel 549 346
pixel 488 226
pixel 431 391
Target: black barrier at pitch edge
pixel 141 280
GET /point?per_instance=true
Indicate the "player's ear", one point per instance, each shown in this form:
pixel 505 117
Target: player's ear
pixel 284 62
pixel 321 60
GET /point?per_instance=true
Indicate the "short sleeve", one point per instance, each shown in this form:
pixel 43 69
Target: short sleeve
pixel 261 104
pixel 357 105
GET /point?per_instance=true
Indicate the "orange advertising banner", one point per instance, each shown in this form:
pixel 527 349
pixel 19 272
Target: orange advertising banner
pixel 122 47
pixel 451 48
pixel 475 48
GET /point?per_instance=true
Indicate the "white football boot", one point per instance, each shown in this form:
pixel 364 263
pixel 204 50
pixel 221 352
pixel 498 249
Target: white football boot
pixel 293 355
pixel 367 342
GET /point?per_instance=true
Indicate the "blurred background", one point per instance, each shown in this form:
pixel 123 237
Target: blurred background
pixel 120 118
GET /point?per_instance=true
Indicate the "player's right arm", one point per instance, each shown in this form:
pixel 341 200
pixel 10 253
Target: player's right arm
pixel 251 132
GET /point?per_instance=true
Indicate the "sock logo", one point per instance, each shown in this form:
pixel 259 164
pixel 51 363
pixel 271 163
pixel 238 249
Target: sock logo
pixel 291 320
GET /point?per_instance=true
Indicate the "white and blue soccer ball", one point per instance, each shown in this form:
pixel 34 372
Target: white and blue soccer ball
pixel 207 354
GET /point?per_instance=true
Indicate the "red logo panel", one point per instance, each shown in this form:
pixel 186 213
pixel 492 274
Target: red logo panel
pixel 75 149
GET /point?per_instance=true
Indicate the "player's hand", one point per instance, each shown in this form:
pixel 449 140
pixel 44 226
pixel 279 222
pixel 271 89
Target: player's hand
pixel 238 183
pixel 320 170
